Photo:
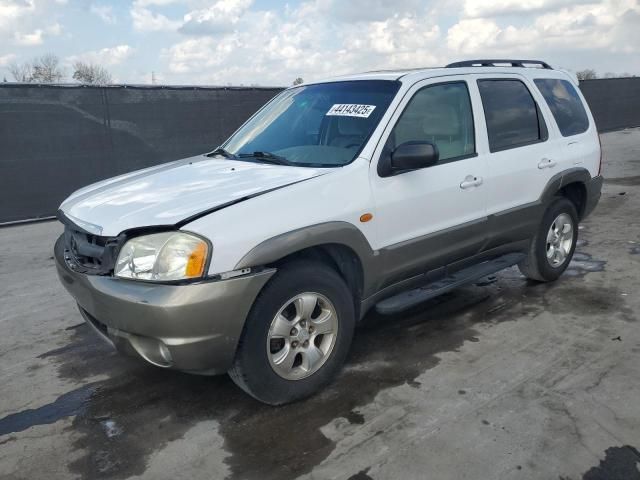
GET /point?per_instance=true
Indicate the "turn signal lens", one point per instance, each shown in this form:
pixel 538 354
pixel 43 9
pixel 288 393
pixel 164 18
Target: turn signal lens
pixel 197 259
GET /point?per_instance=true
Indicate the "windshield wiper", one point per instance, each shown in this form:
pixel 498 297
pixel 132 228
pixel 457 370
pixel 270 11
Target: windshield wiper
pixel 223 153
pixel 268 157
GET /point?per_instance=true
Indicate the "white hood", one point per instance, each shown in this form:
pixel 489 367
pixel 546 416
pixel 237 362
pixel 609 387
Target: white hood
pixel 169 193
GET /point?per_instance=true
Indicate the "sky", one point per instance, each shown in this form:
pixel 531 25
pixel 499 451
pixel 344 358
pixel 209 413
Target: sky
pixel 265 42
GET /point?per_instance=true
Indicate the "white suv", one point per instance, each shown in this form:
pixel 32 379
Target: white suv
pixel 381 190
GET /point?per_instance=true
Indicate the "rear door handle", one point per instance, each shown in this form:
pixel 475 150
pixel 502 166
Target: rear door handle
pixel 471 181
pixel 546 163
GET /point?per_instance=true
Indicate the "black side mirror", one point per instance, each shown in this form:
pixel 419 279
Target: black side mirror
pixel 413 155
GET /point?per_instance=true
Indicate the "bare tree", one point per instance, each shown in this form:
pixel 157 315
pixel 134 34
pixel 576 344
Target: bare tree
pixel 47 69
pixel 21 72
pixel 44 69
pixel 587 74
pixel 298 81
pixel 91 74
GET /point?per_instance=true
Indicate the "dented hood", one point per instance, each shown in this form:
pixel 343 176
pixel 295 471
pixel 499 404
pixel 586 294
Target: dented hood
pixel 171 193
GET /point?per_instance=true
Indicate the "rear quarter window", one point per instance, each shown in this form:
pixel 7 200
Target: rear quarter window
pixel 565 105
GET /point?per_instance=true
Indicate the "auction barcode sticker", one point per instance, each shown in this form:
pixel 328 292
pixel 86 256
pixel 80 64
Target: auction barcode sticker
pixel 351 110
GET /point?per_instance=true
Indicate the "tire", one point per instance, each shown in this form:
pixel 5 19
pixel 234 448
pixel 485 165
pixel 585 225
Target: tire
pixel 537 265
pixel 255 368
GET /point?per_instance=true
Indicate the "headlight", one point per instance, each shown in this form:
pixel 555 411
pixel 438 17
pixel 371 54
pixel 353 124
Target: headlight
pixel 162 257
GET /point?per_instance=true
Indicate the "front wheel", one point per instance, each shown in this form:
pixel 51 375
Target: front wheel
pixel 297 334
pixel 552 248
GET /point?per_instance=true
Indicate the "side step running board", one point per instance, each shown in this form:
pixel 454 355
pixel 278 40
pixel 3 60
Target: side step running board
pixel 410 298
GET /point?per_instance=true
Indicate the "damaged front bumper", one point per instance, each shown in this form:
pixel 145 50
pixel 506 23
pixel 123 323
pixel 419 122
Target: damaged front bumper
pixel 192 327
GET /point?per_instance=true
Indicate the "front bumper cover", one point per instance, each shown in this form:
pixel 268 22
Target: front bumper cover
pixel 192 327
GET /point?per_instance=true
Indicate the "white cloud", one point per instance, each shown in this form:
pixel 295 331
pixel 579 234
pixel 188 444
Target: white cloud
pixel 484 8
pixel 201 54
pixel 222 16
pixel 54 30
pixel 607 25
pixel 146 20
pixel 234 41
pixel 28 39
pixel 7 59
pixel 105 12
pixel 367 10
pixel 11 10
pixel 105 56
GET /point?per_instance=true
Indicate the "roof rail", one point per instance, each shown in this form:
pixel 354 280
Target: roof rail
pixel 493 62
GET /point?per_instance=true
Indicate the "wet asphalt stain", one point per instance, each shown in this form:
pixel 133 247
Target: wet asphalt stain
pixel 152 407
pixel 620 463
pixel 355 418
pixel 140 409
pixel 624 181
pixel 581 243
pixel 67 405
pixel 487 281
pixel 361 475
pixel 583 263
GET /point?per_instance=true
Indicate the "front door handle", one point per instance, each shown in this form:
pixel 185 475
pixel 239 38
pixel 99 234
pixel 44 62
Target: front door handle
pixel 546 163
pixel 471 181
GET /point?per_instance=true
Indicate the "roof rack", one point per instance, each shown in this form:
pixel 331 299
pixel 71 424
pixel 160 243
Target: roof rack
pixel 492 63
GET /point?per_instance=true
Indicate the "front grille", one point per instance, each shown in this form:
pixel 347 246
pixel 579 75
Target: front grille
pixel 89 253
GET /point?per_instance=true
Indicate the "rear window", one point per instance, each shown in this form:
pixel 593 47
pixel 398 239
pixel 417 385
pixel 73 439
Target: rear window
pixel 565 104
pixel 512 116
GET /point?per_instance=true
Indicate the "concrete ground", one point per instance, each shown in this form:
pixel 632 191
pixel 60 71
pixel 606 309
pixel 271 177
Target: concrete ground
pixel 503 379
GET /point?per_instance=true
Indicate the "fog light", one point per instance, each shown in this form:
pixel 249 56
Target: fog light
pixel 165 353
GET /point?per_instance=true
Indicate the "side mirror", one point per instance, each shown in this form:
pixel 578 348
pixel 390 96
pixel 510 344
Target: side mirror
pixel 413 155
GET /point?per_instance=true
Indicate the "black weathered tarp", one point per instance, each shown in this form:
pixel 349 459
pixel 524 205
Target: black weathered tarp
pixel 614 102
pixel 55 139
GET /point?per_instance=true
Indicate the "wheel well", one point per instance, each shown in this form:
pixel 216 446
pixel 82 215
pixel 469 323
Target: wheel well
pixel 339 257
pixel 576 192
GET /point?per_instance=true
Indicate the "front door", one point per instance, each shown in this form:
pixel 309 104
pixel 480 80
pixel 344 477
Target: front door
pixel 430 217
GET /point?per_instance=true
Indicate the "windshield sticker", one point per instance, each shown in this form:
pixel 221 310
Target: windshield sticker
pixel 351 110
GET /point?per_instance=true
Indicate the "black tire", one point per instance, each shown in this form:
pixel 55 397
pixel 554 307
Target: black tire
pixel 251 369
pixel 536 266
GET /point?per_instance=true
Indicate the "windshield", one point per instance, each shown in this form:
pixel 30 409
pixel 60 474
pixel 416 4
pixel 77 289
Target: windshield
pixel 323 125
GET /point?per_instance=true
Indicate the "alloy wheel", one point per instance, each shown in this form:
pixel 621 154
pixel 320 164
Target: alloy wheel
pixel 302 335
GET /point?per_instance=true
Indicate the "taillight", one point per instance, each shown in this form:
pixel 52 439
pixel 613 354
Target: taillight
pixel 600 166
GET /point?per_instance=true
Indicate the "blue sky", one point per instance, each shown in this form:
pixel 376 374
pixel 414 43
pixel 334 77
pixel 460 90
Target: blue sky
pixel 266 42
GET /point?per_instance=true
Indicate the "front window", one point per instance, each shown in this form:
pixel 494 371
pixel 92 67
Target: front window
pixel 322 125
pixel 440 114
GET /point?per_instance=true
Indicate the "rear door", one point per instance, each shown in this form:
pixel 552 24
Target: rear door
pixel 522 154
pixel 429 217
pixel 578 133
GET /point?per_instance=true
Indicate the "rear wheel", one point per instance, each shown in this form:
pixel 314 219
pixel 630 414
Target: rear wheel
pixel 552 248
pixel 297 334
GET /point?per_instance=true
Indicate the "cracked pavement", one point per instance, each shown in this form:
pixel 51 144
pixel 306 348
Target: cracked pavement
pixel 502 379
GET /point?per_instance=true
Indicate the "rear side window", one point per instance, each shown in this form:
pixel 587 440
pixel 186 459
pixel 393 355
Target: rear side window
pixel 512 115
pixel 565 104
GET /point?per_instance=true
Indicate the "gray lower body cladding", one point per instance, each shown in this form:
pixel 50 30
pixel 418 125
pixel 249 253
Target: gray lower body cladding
pixel 594 191
pixel 191 327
